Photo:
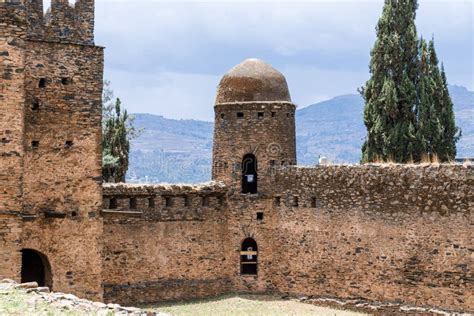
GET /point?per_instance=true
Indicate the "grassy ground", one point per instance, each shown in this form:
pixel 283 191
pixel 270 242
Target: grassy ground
pixel 249 306
pixel 19 302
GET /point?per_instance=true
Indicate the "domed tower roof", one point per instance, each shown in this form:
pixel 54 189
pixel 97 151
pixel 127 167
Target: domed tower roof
pixel 253 80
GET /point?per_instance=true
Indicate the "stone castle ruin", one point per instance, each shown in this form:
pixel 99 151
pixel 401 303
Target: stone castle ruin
pixel 387 233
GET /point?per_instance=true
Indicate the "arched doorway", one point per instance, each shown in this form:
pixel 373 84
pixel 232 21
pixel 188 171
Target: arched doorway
pixel 248 257
pixel 35 267
pixel 249 174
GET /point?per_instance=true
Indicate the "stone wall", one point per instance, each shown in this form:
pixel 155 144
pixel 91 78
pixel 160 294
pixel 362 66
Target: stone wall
pixel 12 96
pixel 164 242
pixel 63 22
pixel 383 233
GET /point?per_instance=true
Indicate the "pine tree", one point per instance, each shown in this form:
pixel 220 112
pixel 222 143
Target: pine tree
pixel 390 94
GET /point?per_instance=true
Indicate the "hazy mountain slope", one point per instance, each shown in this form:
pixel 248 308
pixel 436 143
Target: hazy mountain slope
pixel 180 150
pixel 171 150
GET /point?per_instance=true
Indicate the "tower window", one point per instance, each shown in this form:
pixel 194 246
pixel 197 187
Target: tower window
pixel 272 163
pixel 66 81
pixel 168 202
pixel 240 114
pixel 35 144
pixel 249 174
pixel 259 216
pixel 222 115
pixel 295 201
pixel 273 114
pixel 205 201
pixel 133 203
pixel 287 114
pixel 186 201
pixel 260 114
pixel 42 83
pixel 69 143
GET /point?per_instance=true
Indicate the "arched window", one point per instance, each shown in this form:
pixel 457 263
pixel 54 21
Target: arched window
pixel 35 267
pixel 249 174
pixel 248 257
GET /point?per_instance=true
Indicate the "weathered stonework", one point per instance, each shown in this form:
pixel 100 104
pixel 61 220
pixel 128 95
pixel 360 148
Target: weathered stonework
pixel 50 136
pixel 388 233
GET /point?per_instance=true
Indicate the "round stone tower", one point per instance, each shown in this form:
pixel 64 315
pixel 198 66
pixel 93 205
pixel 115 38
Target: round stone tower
pixel 254 129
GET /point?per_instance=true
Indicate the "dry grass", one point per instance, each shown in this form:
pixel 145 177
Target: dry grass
pixel 248 306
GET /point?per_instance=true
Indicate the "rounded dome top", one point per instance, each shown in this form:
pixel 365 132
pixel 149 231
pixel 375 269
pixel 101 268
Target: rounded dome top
pixel 252 80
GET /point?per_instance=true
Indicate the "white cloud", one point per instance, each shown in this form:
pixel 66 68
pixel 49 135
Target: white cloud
pixel 167 57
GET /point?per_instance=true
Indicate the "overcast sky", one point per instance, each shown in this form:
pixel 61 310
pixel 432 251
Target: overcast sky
pixel 167 57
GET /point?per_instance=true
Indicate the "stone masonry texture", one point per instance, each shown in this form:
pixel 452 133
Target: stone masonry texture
pixel 390 233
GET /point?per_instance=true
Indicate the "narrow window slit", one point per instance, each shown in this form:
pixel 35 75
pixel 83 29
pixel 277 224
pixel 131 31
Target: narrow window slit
pixel 151 202
pixel 133 203
pixel 295 201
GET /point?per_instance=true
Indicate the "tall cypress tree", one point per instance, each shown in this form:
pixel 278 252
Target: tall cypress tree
pixel 437 130
pixel 390 94
pixel 429 129
pixel 451 133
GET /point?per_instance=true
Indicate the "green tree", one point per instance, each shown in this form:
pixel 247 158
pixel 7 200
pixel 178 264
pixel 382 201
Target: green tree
pixel 390 94
pixel 408 111
pixel 117 131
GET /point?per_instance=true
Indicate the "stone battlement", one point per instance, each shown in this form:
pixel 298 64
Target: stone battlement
pixel 63 22
pixel 163 202
pixel 443 188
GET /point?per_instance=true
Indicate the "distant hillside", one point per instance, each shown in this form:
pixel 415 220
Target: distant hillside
pixel 180 150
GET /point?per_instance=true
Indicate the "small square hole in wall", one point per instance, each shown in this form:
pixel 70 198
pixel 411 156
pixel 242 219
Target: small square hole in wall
pixel 277 201
pixel 113 203
pixel 168 201
pixel 35 106
pixel 260 216
pixel 35 144
pixel 273 114
pixel 222 115
pixel 66 81
pixel 42 83
pixel 240 114
pixel 133 203
pixel 295 201
pixel 313 202
pixel 69 144
pixel 151 202
pixel 260 114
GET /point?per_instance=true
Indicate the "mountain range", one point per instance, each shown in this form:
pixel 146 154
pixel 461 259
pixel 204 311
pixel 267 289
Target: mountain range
pixel 177 151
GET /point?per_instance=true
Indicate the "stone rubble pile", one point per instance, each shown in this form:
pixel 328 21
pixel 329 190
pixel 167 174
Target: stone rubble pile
pixel 379 308
pixel 69 302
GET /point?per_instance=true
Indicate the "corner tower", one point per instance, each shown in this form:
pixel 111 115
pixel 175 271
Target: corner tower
pixel 254 129
pixel 50 145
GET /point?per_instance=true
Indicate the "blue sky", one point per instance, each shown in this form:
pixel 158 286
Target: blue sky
pixel 167 57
